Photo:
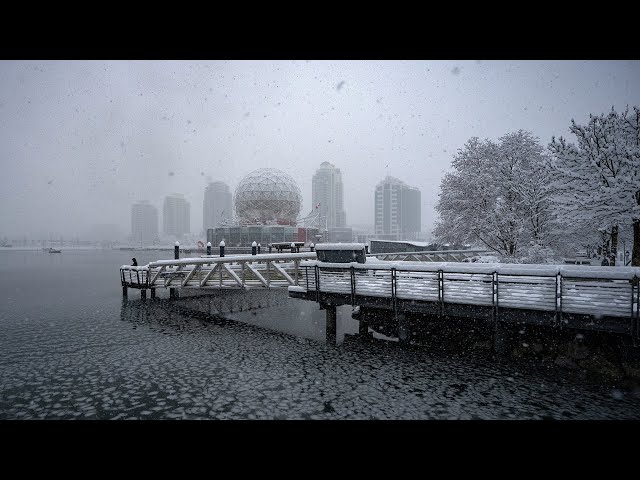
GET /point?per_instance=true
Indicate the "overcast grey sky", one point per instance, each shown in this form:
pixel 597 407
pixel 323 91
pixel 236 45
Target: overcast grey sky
pixel 81 141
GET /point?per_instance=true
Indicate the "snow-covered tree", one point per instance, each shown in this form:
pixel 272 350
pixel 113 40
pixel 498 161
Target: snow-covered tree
pixel 497 194
pixel 597 180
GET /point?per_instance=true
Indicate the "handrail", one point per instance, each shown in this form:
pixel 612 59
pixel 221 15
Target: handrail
pixel 563 289
pixel 196 272
pixel 428 252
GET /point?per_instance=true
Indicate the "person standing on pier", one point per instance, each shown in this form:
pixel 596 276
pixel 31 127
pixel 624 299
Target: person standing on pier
pixel 605 261
pixel 135 262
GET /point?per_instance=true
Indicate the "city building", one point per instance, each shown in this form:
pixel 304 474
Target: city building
pixel 397 210
pixel 144 222
pixel 340 234
pixel 327 195
pixel 217 205
pixel 245 235
pixel 267 202
pixel 176 215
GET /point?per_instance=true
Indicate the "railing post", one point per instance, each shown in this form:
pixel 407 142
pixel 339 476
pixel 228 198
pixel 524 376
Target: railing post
pixel 558 299
pixel 293 247
pixel 353 286
pixel 494 297
pixel 317 273
pixel 269 270
pixel 259 249
pixel 312 247
pixel 173 293
pixel 254 248
pixel 441 291
pixel 497 296
pixel 635 317
pixel 208 248
pixel 393 292
pixel 222 248
pixel 296 264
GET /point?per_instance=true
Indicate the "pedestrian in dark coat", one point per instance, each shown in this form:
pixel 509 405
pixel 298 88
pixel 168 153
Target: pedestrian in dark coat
pixel 135 262
pixel 605 262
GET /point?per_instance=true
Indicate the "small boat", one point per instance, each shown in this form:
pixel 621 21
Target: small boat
pixel 53 250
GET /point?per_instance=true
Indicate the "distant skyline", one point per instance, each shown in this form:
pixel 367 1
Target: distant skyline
pixel 82 141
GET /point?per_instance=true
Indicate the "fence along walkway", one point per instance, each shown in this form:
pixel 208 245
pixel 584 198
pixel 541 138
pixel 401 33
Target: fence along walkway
pixel 238 271
pixel 431 255
pixel 572 289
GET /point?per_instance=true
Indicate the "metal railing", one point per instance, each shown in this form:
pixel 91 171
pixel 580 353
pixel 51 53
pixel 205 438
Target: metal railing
pixel 430 255
pixel 562 289
pixel 238 271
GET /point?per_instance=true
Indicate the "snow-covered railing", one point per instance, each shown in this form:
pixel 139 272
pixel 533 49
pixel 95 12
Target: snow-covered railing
pixel 597 291
pixel 245 271
pixel 430 255
pixel 134 275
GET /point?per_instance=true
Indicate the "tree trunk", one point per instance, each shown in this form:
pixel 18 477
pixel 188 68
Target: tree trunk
pixel 614 245
pixel 635 258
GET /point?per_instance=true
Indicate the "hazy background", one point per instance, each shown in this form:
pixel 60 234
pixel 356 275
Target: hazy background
pixel 80 141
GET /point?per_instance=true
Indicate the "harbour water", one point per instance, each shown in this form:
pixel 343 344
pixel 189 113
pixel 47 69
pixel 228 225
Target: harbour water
pixel 72 348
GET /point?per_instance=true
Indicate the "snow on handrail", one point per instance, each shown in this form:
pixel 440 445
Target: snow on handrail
pixel 569 271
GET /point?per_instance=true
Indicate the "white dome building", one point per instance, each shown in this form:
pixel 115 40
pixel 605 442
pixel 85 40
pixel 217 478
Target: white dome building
pixel 267 196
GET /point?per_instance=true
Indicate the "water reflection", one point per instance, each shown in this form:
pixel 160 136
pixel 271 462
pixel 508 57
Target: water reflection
pixel 269 309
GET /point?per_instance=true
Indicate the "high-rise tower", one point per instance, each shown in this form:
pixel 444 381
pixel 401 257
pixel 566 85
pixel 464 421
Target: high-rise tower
pixel 176 215
pixel 397 210
pixel 144 222
pixel 217 205
pixel 328 195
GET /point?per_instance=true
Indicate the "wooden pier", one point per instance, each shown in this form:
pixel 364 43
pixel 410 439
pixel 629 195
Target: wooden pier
pixel 271 270
pixel 573 296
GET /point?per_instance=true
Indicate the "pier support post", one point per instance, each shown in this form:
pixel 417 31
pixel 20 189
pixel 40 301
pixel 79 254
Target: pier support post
pixel 502 340
pixel 363 327
pixel 143 293
pixel 404 333
pixel 153 293
pixel 124 291
pixel 331 316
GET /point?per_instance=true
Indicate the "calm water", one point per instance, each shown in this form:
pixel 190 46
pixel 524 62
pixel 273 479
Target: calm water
pixel 71 348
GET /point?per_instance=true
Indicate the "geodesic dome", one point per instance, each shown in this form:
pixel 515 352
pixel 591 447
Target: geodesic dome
pixel 268 195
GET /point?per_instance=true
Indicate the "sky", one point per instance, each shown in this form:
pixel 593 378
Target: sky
pixel 81 141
